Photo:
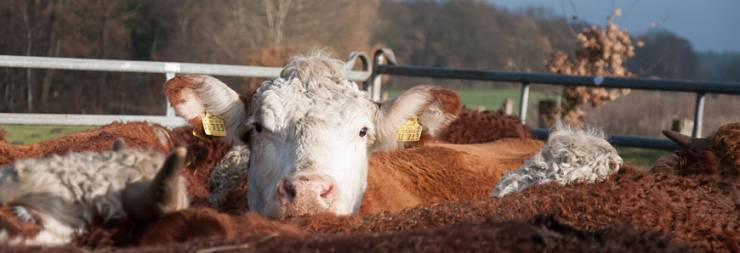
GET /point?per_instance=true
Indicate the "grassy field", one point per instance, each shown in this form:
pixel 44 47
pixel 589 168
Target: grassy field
pixel 26 134
pixel 640 156
pixel 491 99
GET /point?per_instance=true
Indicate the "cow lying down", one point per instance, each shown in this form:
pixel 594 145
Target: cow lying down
pixel 63 195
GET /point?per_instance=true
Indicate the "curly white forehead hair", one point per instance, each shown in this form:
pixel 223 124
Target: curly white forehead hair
pixel 570 155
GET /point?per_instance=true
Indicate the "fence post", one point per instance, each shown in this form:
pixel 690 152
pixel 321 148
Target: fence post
pixel 698 114
pixel 350 64
pixel 382 55
pixel 523 101
pixel 507 106
pixel 170 112
pixel 376 78
pixel 683 126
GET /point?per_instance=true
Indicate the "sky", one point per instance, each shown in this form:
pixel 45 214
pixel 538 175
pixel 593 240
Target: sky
pixel 710 25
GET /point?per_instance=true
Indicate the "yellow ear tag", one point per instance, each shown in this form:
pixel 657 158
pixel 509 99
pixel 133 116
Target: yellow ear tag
pixel 213 125
pixel 201 136
pixel 409 131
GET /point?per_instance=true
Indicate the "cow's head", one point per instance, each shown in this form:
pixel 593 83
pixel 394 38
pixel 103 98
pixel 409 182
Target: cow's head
pixel 719 153
pixel 310 131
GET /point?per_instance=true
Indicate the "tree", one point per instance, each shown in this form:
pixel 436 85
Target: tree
pixel 665 55
pixel 601 52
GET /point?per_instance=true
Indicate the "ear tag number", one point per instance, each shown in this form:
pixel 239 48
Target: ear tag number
pixel 409 131
pixel 214 125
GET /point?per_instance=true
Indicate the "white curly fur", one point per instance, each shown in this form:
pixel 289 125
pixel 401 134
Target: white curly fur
pixel 570 155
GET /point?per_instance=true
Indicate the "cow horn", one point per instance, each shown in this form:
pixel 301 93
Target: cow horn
pixel 164 194
pixel 119 144
pixel 688 142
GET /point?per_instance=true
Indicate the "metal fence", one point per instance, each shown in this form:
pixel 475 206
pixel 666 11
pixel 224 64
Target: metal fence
pixel 167 68
pixel 384 63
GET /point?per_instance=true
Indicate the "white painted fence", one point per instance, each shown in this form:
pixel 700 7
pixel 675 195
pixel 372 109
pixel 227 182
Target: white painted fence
pixel 167 68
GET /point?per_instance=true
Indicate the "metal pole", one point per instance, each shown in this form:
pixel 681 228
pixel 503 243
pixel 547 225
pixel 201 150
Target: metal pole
pixel 170 112
pixel 698 115
pixel 523 102
pixel 353 56
pixel 376 82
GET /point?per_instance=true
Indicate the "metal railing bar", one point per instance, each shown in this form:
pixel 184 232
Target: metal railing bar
pixel 624 140
pixel 84 119
pixel 149 67
pixel 565 80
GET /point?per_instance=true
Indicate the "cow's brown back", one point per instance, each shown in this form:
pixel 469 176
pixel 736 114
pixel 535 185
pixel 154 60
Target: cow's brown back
pixel 441 172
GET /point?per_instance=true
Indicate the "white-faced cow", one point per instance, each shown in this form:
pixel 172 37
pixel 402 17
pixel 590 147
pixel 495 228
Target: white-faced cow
pixel 310 131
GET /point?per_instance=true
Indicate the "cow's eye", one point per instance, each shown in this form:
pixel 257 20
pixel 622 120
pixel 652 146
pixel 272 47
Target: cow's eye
pixel 363 132
pixel 257 127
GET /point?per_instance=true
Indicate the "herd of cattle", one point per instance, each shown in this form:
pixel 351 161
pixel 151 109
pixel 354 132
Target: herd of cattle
pixel 308 162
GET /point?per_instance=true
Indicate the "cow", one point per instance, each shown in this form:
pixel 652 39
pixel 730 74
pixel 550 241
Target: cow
pixel 310 131
pixel 718 154
pixel 51 200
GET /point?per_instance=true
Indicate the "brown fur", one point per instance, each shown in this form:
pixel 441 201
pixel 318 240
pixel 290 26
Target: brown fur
pixel 696 210
pixel 15 227
pixel 136 135
pixel 486 126
pixel 448 100
pixel 202 158
pixel 540 234
pixel 203 222
pixel 689 162
pixel 440 172
pixel 726 145
pixel 722 158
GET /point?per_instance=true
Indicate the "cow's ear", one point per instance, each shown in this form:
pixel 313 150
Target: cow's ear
pixel 193 96
pixel 434 108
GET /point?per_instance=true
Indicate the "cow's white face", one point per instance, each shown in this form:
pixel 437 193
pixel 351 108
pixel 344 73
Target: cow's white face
pixel 309 139
pixel 310 133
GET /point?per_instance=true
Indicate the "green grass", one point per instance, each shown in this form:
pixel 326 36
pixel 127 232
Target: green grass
pixel 640 156
pixel 27 134
pixel 491 99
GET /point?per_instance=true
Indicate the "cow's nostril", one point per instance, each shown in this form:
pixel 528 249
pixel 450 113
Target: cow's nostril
pixel 288 189
pixel 326 192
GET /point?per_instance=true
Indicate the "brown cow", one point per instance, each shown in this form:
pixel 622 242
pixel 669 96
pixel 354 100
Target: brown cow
pixel 718 154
